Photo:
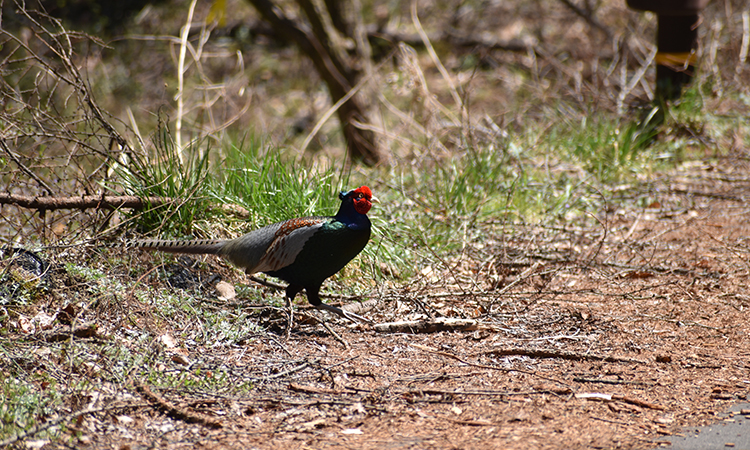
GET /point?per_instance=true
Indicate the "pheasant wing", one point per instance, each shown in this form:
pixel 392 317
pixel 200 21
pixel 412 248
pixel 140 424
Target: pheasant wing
pixel 272 247
pixel 289 240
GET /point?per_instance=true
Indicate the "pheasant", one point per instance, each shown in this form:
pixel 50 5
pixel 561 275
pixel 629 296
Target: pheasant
pixel 302 251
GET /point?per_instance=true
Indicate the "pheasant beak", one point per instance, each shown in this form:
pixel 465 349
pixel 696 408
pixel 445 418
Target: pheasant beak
pixel 374 199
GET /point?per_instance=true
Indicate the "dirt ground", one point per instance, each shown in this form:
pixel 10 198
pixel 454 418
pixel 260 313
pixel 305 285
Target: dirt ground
pixel 614 336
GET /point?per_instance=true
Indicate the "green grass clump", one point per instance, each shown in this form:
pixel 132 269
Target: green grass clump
pixel 164 173
pixel 607 149
pixel 270 185
pixel 275 187
pixel 21 403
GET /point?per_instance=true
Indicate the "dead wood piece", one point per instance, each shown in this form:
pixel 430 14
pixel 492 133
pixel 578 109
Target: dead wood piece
pixel 451 37
pixel 619 398
pixel 588 17
pixel 313 390
pixel 23 167
pixel 444 392
pixel 637 402
pixel 175 411
pixel 64 333
pixel 428 326
pixel 82 202
pixel 602 381
pixel 376 34
pixel 542 353
pixel 268 283
pixel 335 335
pixel 285 373
pixel 236 210
pixel 474 423
pixel 482 392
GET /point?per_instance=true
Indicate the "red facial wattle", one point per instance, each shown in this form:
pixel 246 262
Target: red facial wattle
pixel 362 205
pixel 363 200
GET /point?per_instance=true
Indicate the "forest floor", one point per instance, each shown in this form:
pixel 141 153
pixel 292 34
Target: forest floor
pixel 610 337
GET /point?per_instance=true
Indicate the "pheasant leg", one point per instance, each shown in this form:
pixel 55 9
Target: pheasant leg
pixel 343 313
pixel 290 318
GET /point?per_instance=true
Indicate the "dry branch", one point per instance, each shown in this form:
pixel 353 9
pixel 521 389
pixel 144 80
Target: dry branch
pixel 637 402
pixel 489 392
pixel 588 17
pixel 427 326
pixel 100 202
pixel 23 167
pixel 449 37
pixel 176 412
pixel 82 202
pixel 574 356
pixel 618 398
pixel 66 332
pixel 302 366
pixel 605 381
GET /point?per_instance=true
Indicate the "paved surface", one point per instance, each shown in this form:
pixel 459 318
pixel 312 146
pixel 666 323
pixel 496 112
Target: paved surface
pixel 735 432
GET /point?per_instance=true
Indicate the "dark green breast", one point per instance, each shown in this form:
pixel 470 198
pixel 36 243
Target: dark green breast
pixel 324 254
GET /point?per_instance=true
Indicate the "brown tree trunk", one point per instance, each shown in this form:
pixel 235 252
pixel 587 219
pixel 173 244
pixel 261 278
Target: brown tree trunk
pixel 339 77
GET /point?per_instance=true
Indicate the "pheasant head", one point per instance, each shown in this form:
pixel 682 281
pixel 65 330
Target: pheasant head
pixel 355 203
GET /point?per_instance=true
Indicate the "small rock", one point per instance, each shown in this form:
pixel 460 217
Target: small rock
pixel 226 291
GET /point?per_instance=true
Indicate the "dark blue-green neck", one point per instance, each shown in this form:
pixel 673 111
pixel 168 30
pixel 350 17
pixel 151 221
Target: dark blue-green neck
pixel 350 217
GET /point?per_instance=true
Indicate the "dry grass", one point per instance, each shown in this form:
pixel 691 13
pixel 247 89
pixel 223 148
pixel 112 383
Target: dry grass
pixel 427 105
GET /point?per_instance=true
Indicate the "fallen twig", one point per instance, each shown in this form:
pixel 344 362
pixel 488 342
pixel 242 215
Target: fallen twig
pixel 427 326
pixel 635 401
pixel 302 366
pixel 82 202
pixel 488 392
pixel 620 398
pixel 335 335
pixel 541 353
pixel 594 380
pixel 474 423
pixel 315 390
pixel 175 411
pixel 66 332
pixel 591 20
pixel 101 201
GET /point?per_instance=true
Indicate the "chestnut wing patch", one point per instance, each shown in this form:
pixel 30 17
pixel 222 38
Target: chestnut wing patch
pixel 288 241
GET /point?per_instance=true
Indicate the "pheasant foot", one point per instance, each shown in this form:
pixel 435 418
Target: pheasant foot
pixel 343 313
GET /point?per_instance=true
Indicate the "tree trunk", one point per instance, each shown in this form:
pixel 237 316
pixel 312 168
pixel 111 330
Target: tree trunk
pixel 338 76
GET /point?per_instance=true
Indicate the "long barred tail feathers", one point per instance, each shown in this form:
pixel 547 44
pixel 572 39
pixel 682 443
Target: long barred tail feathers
pixel 194 246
